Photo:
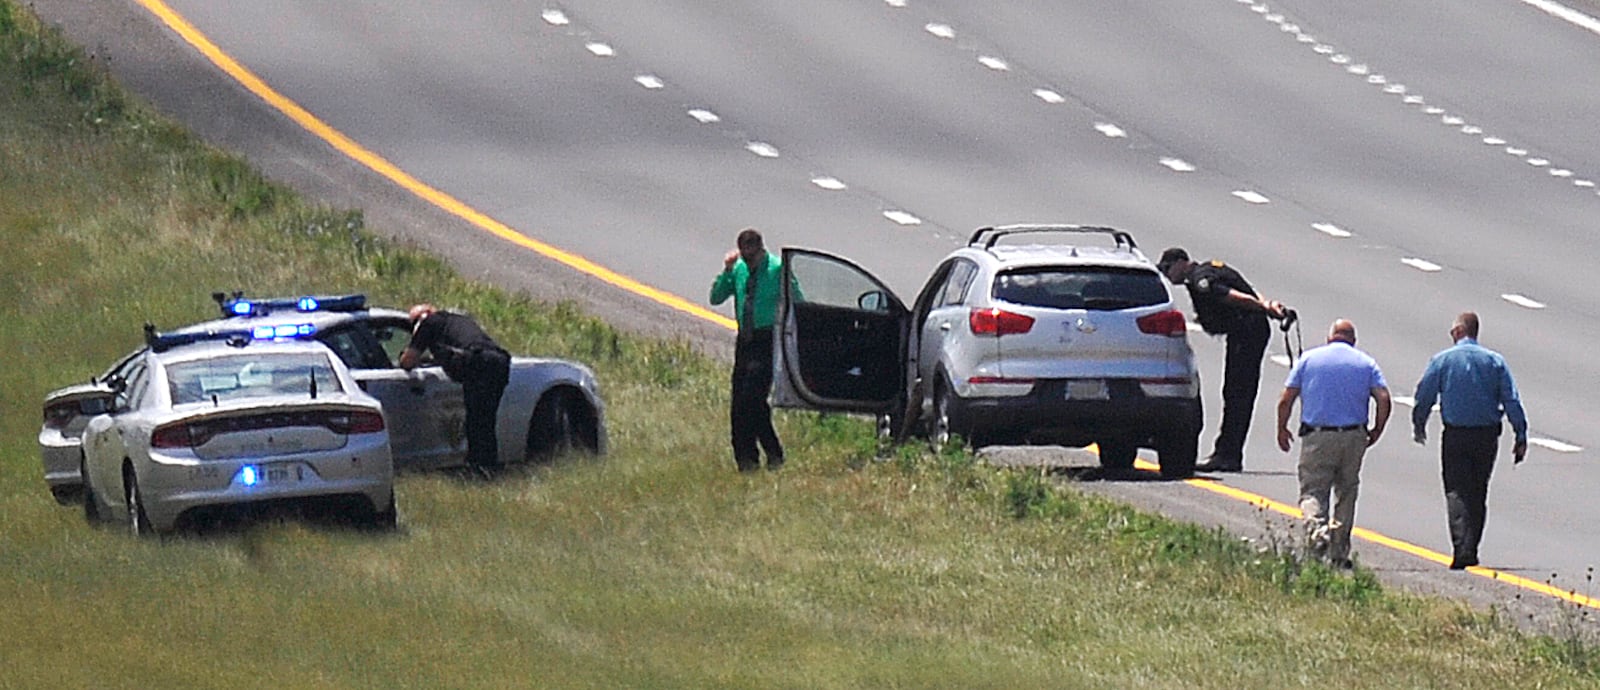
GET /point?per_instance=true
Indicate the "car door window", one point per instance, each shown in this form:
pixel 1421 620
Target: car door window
pixel 957 284
pixel 391 335
pixel 849 330
pixel 133 394
pixel 357 347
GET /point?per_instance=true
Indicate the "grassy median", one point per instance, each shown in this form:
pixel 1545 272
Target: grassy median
pixel 658 567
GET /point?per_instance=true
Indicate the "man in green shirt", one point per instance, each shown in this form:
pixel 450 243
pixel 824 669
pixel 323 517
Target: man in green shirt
pixel 751 275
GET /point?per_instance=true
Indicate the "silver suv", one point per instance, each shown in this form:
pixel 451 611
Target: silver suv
pixel 1007 343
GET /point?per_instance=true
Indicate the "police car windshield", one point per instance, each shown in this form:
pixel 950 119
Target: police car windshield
pixel 1095 288
pixel 251 376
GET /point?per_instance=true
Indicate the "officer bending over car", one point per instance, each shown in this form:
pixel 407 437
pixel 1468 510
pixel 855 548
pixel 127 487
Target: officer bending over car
pixel 1225 304
pixel 471 358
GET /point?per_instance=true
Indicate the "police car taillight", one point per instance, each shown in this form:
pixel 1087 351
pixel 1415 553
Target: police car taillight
pixel 1169 323
pixel 180 436
pixel 998 322
pixel 58 415
pixel 355 423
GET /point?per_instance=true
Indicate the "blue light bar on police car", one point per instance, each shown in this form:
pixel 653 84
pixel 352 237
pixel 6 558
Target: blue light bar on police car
pixel 284 330
pixel 239 306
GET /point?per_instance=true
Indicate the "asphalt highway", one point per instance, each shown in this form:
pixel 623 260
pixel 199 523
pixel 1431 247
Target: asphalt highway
pixel 1390 163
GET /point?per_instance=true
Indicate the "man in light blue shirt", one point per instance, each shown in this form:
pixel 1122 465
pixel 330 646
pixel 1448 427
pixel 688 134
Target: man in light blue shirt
pixel 1474 388
pixel 1333 383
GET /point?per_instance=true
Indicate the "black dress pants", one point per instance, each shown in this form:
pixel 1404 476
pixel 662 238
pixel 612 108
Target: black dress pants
pixel 486 375
pixel 1468 454
pixel 1241 379
pixel 749 415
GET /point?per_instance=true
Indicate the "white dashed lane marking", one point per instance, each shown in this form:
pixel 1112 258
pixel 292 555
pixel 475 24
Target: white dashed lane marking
pixel 831 184
pixel 1331 230
pixel 940 30
pixel 993 63
pixel 650 81
pixel 1552 444
pixel 1251 197
pixel 601 50
pixel 1522 301
pixel 1422 265
pixel 902 217
pixel 705 117
pixel 1110 130
pixel 1178 164
pixel 763 149
pixel 555 18
pixel 1049 96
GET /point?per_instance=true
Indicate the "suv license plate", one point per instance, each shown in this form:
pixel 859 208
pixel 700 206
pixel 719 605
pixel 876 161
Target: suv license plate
pixel 1087 389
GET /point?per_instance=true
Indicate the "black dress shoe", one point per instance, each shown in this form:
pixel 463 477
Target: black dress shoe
pixel 1462 563
pixel 1213 463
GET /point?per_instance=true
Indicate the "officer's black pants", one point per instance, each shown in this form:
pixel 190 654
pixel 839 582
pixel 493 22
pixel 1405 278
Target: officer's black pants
pixel 1468 454
pixel 486 374
pixel 749 415
pixel 1247 342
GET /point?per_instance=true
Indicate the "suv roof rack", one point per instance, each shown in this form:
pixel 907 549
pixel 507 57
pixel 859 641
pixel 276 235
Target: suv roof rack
pixel 987 236
pixel 236 305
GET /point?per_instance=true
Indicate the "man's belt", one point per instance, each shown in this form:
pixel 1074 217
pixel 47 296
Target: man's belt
pixel 1310 428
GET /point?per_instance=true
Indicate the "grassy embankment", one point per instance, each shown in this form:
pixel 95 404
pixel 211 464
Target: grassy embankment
pixel 659 567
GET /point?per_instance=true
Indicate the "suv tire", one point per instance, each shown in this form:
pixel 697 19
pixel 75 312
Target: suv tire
pixel 1118 454
pixel 1178 450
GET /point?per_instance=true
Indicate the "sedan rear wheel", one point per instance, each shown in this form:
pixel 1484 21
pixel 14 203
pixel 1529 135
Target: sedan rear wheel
pixel 138 523
pixel 91 502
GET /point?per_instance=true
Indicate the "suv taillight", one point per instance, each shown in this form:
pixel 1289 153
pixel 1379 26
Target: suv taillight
pixel 1169 322
pixel 998 322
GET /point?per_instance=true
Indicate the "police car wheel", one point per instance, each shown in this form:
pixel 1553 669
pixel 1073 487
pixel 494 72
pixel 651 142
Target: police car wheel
pixel 91 503
pixel 138 523
pixel 1178 452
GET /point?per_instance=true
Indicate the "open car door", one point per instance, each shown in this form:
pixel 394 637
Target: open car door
pixel 841 337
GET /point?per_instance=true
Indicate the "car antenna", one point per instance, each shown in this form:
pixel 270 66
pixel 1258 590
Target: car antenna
pixel 214 401
pixel 313 372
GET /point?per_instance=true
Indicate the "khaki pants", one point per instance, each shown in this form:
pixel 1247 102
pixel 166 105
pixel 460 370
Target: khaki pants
pixel 1331 461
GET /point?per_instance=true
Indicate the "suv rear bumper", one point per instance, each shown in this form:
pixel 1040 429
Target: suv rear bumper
pixel 1045 414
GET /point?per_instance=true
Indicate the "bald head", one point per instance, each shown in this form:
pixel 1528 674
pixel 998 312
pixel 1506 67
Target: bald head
pixel 418 311
pixel 1343 331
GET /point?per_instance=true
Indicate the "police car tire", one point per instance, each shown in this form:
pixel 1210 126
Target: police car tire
pixel 138 522
pixel 91 502
pixel 552 432
pixel 389 518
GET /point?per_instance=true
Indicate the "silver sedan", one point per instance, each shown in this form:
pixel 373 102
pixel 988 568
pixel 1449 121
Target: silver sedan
pixel 216 421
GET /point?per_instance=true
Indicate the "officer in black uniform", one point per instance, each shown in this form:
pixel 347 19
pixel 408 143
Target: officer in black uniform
pixel 471 358
pixel 1226 305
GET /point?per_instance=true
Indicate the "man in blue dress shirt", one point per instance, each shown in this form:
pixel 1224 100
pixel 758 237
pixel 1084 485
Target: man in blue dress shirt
pixel 1474 388
pixel 1333 383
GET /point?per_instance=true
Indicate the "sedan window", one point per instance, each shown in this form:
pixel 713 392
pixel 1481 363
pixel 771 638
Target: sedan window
pixel 1097 288
pixel 241 377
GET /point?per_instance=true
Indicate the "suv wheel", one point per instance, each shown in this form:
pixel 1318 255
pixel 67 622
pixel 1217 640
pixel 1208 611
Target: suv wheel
pixel 948 419
pixel 1178 451
pixel 1118 454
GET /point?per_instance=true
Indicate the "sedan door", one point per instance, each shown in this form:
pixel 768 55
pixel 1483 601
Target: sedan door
pixel 841 337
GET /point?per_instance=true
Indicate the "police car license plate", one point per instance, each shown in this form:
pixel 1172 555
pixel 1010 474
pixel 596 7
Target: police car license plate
pixel 283 473
pixel 1087 389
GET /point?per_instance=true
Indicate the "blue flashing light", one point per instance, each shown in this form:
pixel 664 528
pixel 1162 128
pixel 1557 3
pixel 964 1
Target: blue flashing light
pixel 261 332
pixel 248 476
pixel 307 303
pixel 241 308
pixel 284 330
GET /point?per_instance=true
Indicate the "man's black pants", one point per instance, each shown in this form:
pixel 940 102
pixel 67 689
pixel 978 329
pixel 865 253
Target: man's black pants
pixel 749 415
pixel 486 375
pixel 1241 379
pixel 1467 454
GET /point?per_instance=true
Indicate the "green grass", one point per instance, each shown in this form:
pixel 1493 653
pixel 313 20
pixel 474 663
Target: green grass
pixel 658 567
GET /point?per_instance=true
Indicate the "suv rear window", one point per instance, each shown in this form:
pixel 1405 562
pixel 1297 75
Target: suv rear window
pixel 1099 288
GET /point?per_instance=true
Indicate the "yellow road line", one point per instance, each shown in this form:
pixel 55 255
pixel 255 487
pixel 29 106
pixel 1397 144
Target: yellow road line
pixel 378 164
pixel 455 207
pixel 1382 540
